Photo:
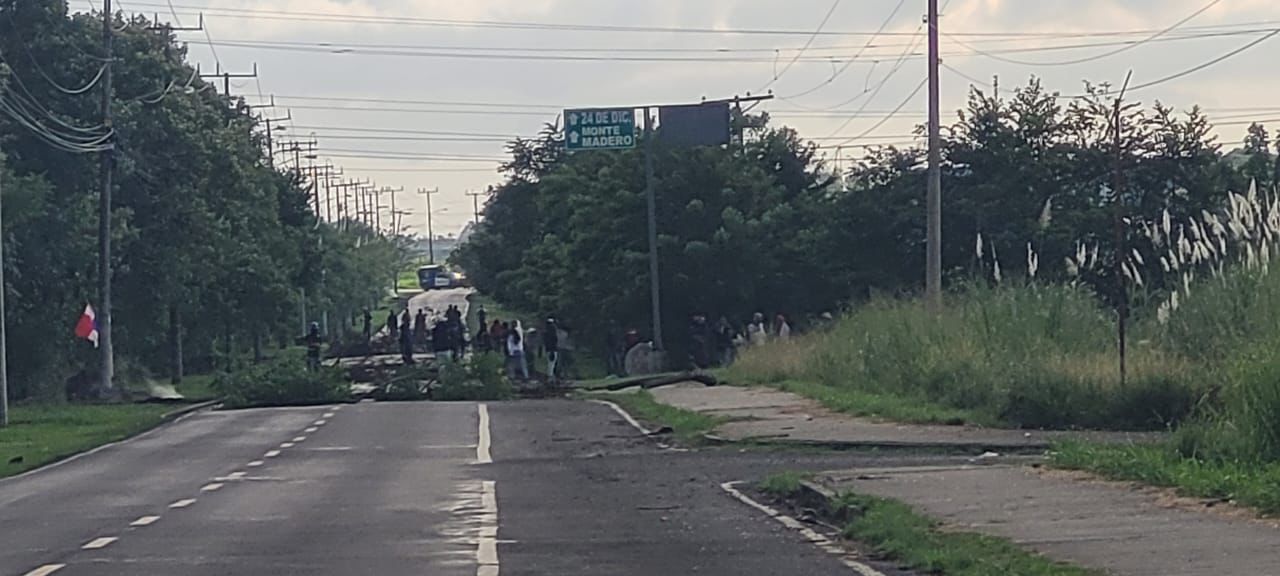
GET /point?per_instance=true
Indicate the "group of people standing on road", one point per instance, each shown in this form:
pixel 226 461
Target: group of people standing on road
pixel 517 344
pixel 423 331
pixel 718 345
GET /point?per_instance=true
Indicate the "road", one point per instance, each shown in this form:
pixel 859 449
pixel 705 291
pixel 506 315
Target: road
pixel 532 487
pixel 437 301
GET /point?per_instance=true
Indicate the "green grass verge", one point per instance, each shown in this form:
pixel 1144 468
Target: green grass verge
pixel 40 434
pixel 783 484
pixel 198 387
pixel 687 426
pixel 896 531
pixel 887 406
pixel 1256 485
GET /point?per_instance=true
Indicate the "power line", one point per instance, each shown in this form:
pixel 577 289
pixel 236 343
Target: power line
pixel 560 27
pixel 807 44
pixel 850 62
pixel 890 116
pixel 1094 57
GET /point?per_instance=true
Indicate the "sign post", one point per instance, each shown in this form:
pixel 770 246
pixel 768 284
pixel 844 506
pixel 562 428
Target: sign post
pixel 704 124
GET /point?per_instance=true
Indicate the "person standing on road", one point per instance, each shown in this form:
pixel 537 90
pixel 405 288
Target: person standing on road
pixel 781 329
pixel 314 343
pixel 551 344
pixel 420 328
pixel 757 332
pixel 406 339
pixel 367 329
pixel 481 316
pixel 515 353
pixel 392 327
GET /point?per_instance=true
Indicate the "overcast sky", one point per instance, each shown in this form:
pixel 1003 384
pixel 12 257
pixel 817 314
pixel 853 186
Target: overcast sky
pixel 1247 80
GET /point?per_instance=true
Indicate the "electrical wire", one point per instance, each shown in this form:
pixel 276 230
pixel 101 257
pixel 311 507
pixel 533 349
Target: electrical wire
pixel 888 117
pixel 465 23
pixel 32 102
pixel 40 69
pixel 850 61
pixel 1204 65
pixel 803 49
pixel 1094 57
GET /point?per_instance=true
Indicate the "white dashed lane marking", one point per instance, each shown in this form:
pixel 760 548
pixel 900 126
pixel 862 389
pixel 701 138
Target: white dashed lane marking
pixel 272 454
pixel 255 464
pixel 287 445
pixel 183 503
pixel 211 487
pixel 235 475
pixel 311 430
pixel 300 439
pixel 145 521
pixel 319 422
pixel 46 570
pixel 99 543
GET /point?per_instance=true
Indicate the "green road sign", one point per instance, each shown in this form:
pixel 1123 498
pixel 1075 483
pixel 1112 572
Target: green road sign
pixel 600 129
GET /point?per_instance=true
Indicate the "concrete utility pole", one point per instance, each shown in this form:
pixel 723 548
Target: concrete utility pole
pixel 106 358
pixel 475 204
pixel 933 264
pixel 227 76
pixel 4 358
pixel 431 236
pixel 655 296
pixel 1117 183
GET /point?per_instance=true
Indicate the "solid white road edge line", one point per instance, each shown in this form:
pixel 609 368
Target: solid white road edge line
pixel 487 544
pixel 817 539
pixel 625 416
pixel 145 521
pixel 99 543
pixel 483 455
pixel 46 570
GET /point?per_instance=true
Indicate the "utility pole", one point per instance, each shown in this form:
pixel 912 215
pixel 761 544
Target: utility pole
pixel 268 122
pixel 106 358
pixel 431 236
pixel 4 357
pixel 392 192
pixel 655 296
pixel 933 262
pixel 227 76
pixel 1117 182
pixel 475 204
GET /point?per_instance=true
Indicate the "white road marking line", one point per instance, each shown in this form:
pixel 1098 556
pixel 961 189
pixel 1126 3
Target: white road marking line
pixel 255 464
pixel 272 454
pixel 145 521
pixel 46 570
pixel 99 543
pixel 813 537
pixel 300 439
pixel 311 430
pixel 625 416
pixel 329 414
pixel 482 445
pixel 235 475
pixel 319 422
pixel 487 545
pixel 287 445
pixel 183 503
pixel 213 486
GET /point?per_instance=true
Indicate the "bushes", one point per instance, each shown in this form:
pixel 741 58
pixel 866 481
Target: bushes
pixel 480 377
pixel 282 381
pixel 1028 356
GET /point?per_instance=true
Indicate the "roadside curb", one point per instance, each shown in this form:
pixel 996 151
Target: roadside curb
pixel 962 447
pixel 175 414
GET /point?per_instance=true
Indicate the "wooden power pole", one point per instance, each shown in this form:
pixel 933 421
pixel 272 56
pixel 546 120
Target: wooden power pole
pixel 933 261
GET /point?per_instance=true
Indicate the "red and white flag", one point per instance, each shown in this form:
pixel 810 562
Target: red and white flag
pixel 87 327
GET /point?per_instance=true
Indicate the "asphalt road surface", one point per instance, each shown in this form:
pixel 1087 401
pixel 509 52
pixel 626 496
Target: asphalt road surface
pixel 437 301
pixel 534 487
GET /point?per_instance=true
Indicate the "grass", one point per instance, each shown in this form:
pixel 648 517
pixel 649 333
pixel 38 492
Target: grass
pixel 41 434
pixel 688 426
pixel 198 387
pixel 1018 355
pixel 783 484
pixel 1252 484
pixel 897 408
pixel 899 533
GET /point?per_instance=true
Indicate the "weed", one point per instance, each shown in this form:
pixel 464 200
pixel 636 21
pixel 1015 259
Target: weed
pixel 783 484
